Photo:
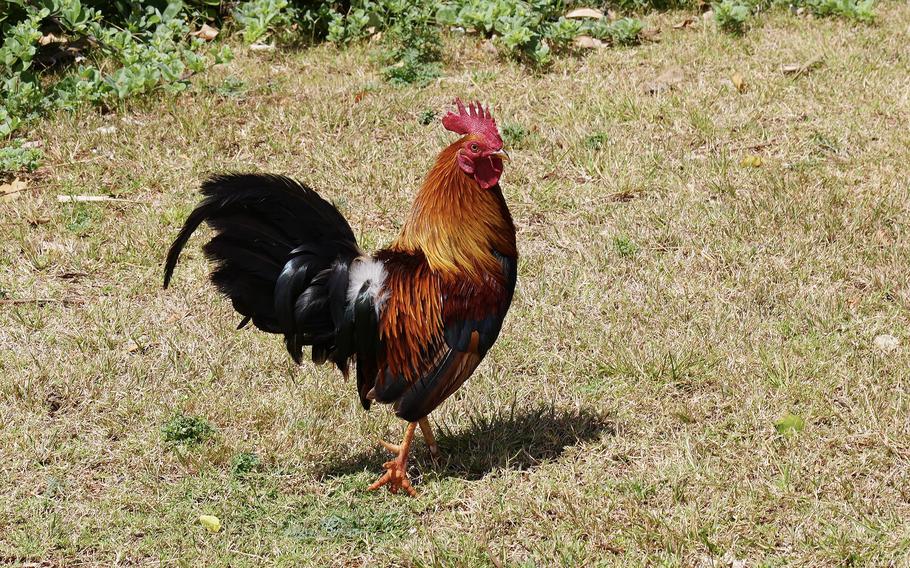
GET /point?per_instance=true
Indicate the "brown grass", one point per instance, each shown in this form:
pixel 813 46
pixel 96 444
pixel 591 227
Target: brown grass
pixel 672 305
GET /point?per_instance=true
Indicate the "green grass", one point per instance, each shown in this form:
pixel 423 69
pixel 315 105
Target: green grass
pixel 687 374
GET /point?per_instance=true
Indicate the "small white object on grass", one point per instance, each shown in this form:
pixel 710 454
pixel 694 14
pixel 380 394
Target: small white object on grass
pixel 886 342
pixel 92 198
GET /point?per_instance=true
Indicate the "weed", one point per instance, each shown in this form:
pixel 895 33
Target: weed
pixel 151 49
pixel 258 18
pixel 596 141
pixel 732 15
pixel 513 134
pixel 81 219
pixel 232 87
pixel 535 31
pixel 625 31
pixel 186 430
pixel 625 247
pixel 860 10
pixel 244 464
pixel 412 46
pixel 427 116
pixel 16 156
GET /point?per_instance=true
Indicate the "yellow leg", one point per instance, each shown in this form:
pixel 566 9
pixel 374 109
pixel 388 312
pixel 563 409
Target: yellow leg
pixel 396 475
pixel 428 436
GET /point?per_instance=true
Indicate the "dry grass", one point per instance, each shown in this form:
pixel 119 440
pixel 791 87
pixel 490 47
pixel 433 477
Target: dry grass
pixel 672 305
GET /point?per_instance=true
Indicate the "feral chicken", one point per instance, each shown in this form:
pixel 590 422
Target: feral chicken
pixel 414 319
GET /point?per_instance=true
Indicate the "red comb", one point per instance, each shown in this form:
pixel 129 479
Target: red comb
pixel 473 120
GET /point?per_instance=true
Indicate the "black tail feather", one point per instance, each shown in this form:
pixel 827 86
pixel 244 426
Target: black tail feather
pixel 281 254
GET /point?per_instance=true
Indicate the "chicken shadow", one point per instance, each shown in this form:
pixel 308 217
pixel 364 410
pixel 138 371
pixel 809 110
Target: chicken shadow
pixel 514 440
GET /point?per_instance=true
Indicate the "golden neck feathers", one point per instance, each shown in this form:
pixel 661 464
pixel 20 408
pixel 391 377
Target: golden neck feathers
pixel 457 224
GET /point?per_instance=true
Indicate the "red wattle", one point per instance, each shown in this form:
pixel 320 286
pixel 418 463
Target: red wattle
pixel 487 171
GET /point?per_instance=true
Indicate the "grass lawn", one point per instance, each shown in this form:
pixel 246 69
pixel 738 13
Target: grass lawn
pixel 697 263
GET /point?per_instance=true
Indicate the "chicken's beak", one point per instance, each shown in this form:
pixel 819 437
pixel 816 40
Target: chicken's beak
pixel 501 154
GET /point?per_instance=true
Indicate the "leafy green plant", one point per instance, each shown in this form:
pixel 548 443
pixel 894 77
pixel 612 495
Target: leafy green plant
pixel 525 30
pixel 427 116
pixel 648 5
pixel 732 15
pixel 61 54
pixel 625 31
pixel 514 134
pixel 16 157
pixel 146 50
pixel 244 464
pixel 80 219
pixel 186 430
pixel 258 18
pixel 860 10
pixel 625 247
pixel 231 87
pixel 412 44
pixel 596 141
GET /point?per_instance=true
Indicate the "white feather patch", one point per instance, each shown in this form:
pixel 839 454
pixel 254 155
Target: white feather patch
pixel 364 270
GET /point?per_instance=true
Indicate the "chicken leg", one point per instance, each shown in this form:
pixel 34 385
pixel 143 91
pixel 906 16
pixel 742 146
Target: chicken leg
pixel 428 436
pixel 396 475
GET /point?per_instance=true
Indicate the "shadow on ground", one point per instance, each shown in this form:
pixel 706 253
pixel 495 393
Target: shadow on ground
pixel 515 439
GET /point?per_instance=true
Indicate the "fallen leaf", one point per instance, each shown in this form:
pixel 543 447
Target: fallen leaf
pixel 789 425
pixel 262 47
pixel 585 13
pixel 12 190
pixel 666 81
pixel 131 346
pixel 738 82
pixel 588 42
pixel 801 68
pixel 751 161
pixel 650 34
pixel 359 96
pixel 211 522
pixel 206 32
pixel 687 23
pixel 885 342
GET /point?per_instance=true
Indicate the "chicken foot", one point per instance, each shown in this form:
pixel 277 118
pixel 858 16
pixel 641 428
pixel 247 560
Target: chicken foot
pixel 396 475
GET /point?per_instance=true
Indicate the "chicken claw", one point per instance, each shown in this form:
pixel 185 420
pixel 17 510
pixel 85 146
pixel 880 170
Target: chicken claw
pixel 396 475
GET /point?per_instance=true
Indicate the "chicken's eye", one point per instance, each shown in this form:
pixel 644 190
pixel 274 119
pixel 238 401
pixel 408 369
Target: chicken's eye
pixel 474 148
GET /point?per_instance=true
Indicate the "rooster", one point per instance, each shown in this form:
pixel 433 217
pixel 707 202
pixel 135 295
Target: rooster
pixel 416 318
